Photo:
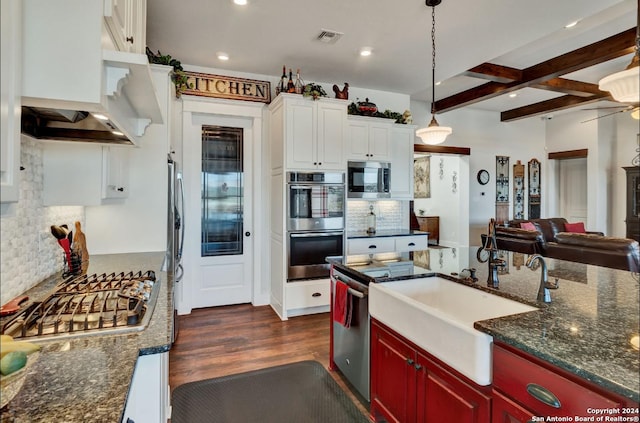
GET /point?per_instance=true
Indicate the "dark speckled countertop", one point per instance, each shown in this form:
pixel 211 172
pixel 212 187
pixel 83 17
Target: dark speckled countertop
pixel 586 329
pixel 384 233
pixel 87 379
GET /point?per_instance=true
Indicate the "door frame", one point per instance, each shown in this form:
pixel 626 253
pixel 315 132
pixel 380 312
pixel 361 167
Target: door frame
pixel 241 109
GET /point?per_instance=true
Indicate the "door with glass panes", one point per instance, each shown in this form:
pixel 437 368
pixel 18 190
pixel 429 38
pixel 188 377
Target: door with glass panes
pixel 221 263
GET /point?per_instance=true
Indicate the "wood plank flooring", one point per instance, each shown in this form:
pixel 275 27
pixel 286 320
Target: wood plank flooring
pixel 220 341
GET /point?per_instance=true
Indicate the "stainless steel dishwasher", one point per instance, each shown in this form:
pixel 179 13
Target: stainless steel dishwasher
pixel 351 345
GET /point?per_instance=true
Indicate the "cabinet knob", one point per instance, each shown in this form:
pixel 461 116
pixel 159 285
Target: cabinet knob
pixel 315 163
pixel 247 233
pixel 129 40
pixel 319 163
pixel 121 189
pixel 410 361
pixel 418 367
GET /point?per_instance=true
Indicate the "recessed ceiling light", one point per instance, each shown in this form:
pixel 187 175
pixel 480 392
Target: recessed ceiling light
pixel 222 56
pixel 571 24
pixel 365 51
pixel 240 2
pixel 512 95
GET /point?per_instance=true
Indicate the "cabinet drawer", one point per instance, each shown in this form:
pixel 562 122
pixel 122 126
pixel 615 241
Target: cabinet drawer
pixel 371 245
pixel 521 379
pixel 411 243
pixel 308 294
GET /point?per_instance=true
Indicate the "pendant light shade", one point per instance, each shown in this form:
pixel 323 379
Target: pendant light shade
pixel 434 133
pixel 624 86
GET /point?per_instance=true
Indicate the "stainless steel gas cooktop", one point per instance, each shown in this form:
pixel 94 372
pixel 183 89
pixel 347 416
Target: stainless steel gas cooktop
pixel 89 304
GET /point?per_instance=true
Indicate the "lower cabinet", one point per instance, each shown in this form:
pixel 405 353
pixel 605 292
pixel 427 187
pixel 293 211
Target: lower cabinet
pixel 148 399
pixel 308 297
pixel 407 385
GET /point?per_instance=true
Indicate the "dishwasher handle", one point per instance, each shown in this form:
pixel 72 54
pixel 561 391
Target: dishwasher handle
pixel 349 282
pixel 356 293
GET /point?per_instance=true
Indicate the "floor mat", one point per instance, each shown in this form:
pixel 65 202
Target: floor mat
pixel 291 393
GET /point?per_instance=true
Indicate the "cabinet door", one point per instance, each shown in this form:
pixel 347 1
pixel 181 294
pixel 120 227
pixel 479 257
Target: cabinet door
pixel 300 136
pixel 330 136
pixel 379 144
pixel 442 397
pixel 115 167
pixel 402 162
pixel 10 62
pixel 358 141
pixel 393 377
pixel 507 411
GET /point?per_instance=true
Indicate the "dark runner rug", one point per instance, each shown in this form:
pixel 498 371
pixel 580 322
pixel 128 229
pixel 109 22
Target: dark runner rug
pixel 302 392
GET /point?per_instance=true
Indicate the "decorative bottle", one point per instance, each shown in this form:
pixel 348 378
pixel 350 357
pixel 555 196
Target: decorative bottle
pixel 299 84
pixel 282 86
pixel 371 221
pixel 291 88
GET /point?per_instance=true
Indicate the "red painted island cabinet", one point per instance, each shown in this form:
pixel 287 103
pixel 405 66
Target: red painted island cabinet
pixel 408 385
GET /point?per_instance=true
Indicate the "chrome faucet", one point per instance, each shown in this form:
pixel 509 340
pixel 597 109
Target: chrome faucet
pixel 543 291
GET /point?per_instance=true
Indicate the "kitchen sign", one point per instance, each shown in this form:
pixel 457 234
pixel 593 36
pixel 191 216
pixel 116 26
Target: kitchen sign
pixel 229 87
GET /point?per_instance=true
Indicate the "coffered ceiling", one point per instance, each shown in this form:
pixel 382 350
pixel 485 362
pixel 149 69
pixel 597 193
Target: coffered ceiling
pixel 484 49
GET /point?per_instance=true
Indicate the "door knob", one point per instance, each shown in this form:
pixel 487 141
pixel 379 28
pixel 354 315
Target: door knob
pixel 247 233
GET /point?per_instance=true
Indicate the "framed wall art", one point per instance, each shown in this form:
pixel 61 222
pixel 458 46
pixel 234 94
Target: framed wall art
pixel 421 177
pixel 534 189
pixel 502 188
pixel 518 190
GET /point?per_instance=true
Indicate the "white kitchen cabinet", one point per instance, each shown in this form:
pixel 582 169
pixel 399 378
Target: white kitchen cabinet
pixel 312 132
pixel 84 174
pixel 10 76
pixel 304 297
pixel 402 138
pixel 368 139
pixel 411 243
pixel 126 22
pixel 148 399
pixel 371 245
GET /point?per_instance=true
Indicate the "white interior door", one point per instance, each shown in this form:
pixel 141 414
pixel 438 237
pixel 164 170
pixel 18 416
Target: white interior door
pixel 219 247
pixel 573 190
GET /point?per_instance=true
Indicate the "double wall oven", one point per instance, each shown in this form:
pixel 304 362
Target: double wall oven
pixel 315 222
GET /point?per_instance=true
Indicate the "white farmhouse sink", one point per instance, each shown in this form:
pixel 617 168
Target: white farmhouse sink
pixel 438 315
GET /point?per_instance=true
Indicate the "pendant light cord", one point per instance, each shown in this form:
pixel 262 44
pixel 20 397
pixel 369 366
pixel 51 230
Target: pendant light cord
pixel 433 59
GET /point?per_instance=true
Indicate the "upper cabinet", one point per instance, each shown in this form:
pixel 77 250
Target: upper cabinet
pixel 126 23
pixel 368 138
pixel 10 72
pixel 307 134
pixel 402 138
pixel 84 174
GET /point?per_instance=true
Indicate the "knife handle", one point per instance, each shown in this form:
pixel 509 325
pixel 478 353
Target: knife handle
pixel 13 305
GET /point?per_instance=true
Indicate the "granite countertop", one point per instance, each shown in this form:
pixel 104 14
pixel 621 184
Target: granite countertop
pixel 87 379
pixel 585 330
pixel 384 233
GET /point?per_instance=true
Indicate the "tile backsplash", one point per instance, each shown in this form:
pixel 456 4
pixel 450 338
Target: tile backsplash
pixel 389 214
pixel 29 252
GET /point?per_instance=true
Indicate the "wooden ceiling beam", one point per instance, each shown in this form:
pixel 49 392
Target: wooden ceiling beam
pixel 618 45
pixel 544 107
pixel 494 73
pixel 569 86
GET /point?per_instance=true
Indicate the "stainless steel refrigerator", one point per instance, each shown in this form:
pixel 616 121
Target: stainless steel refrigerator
pixel 175 232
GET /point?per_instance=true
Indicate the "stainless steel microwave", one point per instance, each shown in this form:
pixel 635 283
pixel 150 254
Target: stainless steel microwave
pixel 369 180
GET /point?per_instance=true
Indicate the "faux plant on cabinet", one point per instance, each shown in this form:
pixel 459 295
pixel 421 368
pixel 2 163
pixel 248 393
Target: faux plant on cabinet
pixel 178 76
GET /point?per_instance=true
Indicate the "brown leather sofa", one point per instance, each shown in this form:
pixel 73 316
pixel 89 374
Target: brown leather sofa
pixel 550 240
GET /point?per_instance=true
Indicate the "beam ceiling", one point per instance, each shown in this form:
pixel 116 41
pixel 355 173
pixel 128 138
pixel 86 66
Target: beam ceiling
pixel 544 75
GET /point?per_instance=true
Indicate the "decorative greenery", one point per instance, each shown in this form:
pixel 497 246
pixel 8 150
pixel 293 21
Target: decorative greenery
pixel 178 76
pixel 352 109
pixel 314 90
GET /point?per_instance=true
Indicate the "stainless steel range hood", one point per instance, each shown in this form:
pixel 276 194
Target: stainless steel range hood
pixel 70 81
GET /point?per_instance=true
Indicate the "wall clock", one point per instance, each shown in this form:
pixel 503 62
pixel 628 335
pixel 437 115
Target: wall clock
pixel 483 177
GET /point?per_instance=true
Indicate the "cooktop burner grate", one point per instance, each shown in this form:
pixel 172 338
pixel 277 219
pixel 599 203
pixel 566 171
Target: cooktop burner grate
pixel 89 303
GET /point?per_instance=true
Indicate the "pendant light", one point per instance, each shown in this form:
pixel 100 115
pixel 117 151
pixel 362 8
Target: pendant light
pixel 624 86
pixel 434 133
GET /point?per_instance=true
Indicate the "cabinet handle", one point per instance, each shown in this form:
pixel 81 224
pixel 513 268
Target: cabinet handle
pixel 316 294
pixel 418 366
pixel 410 361
pixel 129 40
pixel 121 189
pixel 543 395
pixel 411 244
pixel 372 246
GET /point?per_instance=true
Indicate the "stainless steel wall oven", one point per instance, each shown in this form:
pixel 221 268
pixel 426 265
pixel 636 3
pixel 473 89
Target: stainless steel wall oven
pixel 315 222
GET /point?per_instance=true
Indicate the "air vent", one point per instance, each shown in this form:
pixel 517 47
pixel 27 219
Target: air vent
pixel 328 36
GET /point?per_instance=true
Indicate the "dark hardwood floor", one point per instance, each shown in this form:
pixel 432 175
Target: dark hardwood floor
pixel 220 341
